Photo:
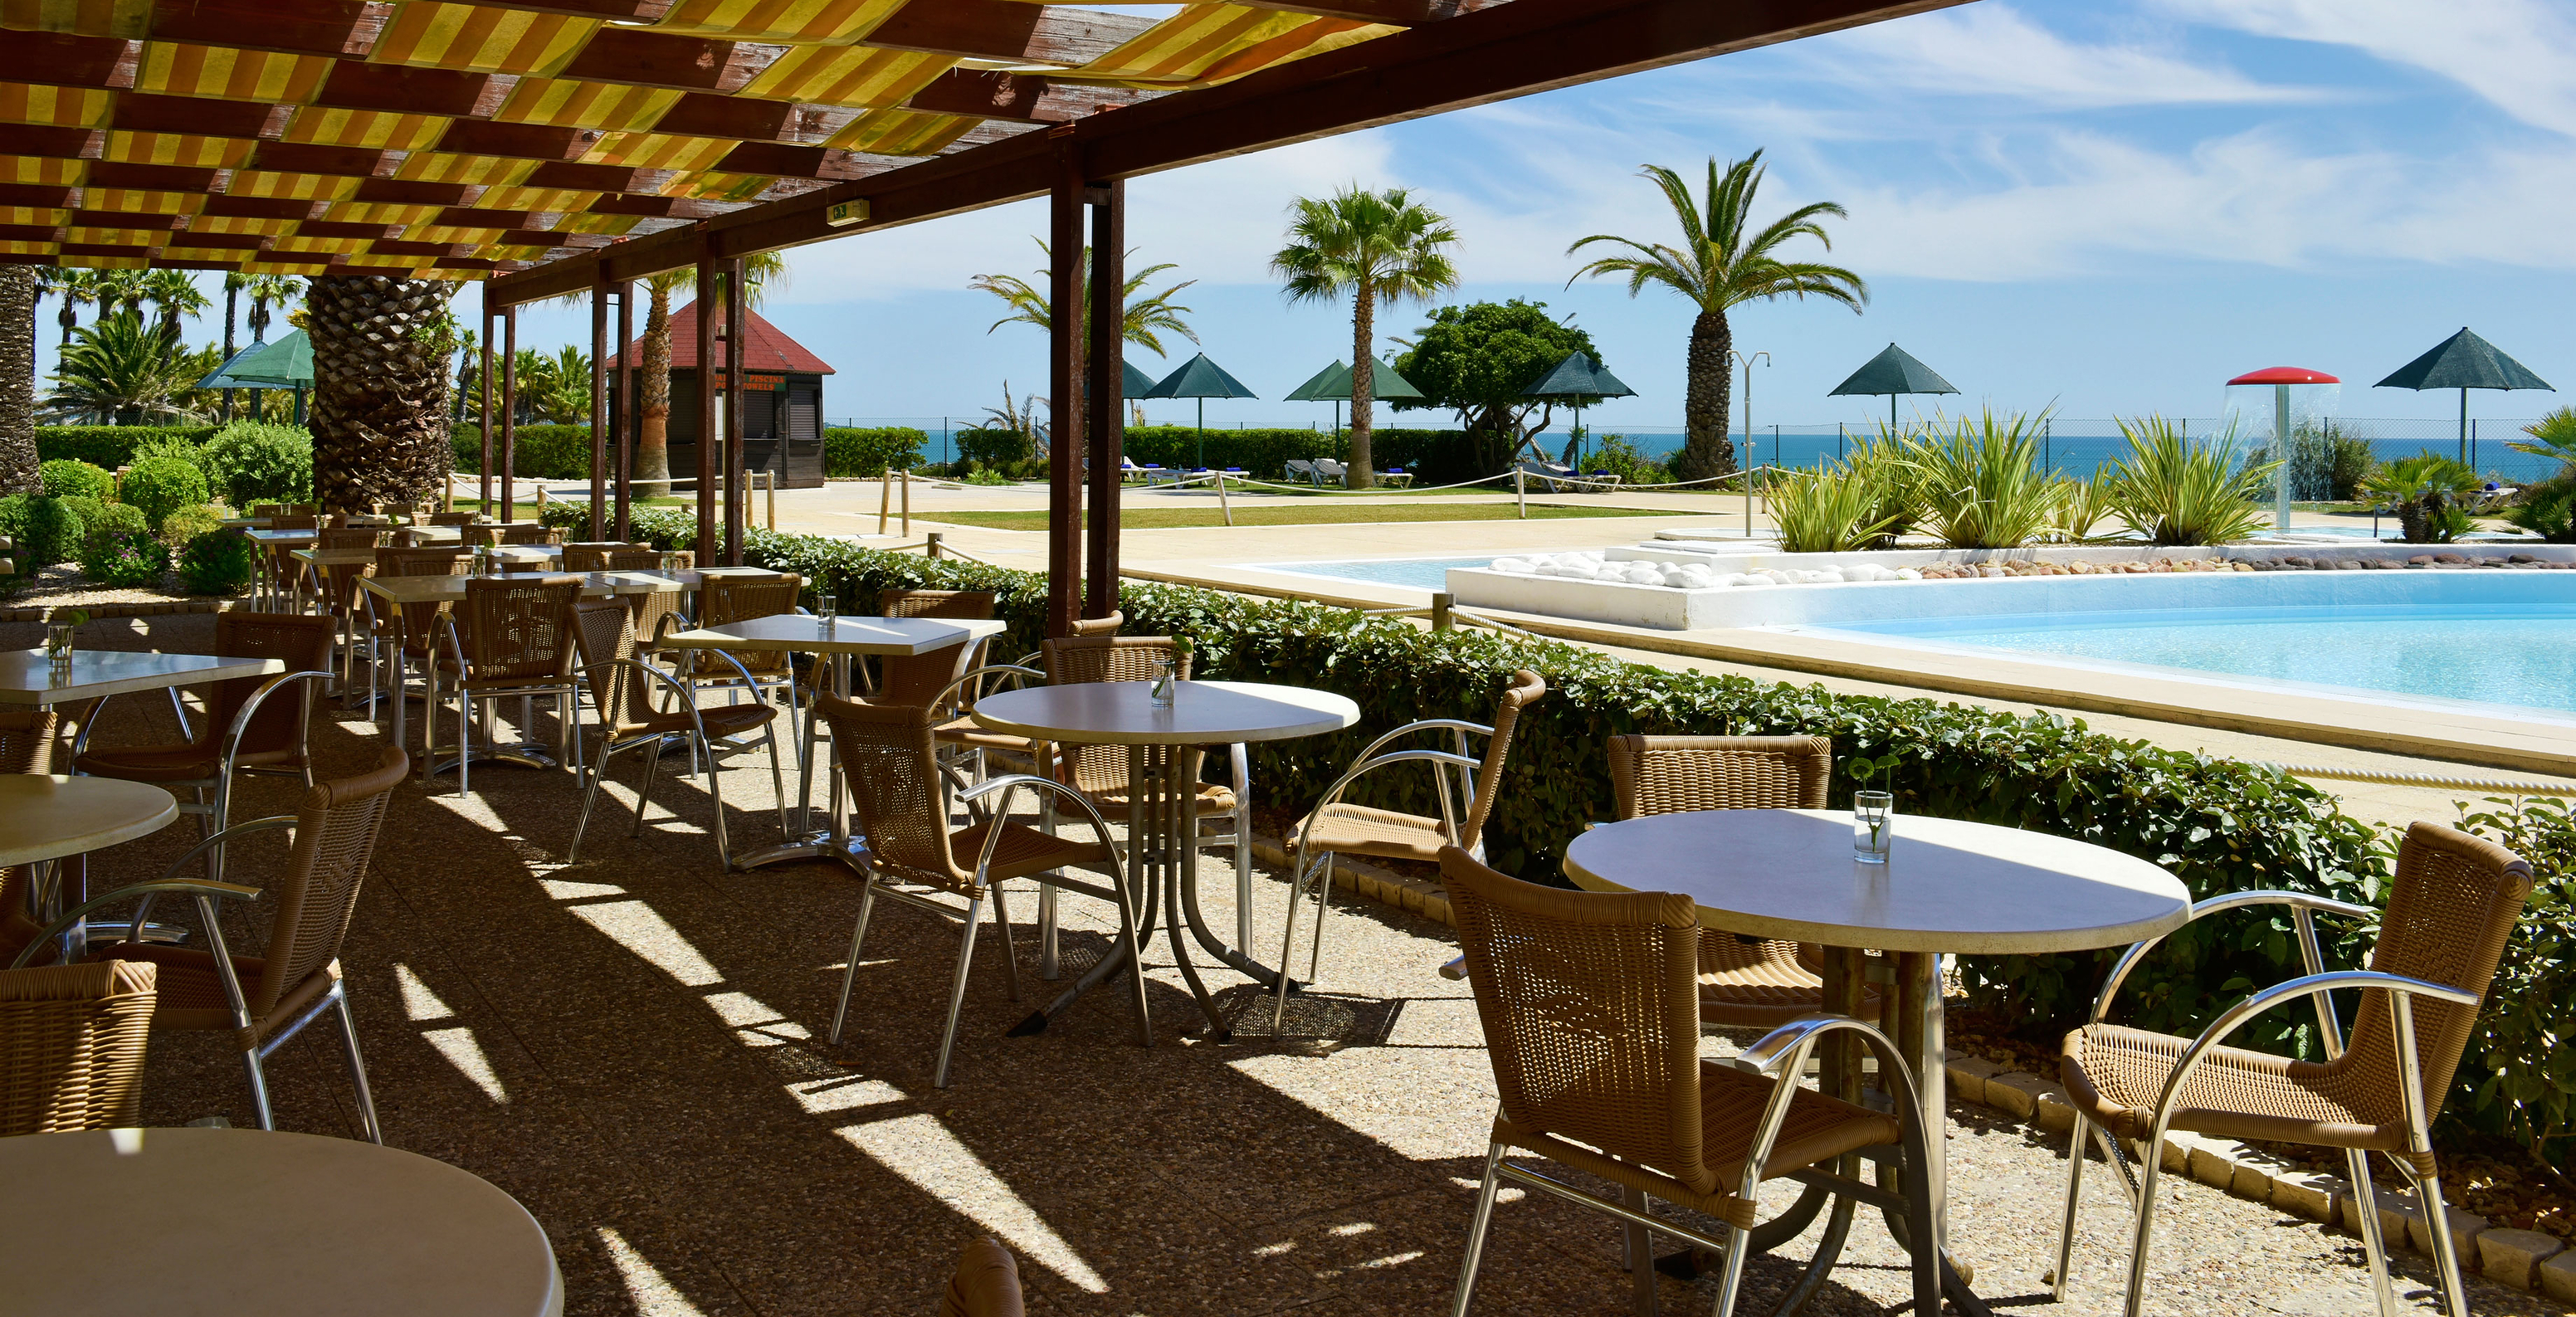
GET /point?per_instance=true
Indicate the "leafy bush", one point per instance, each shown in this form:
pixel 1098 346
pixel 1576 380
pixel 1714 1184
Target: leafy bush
pixel 1826 511
pixel 2426 491
pixel 217 562
pixel 849 452
pixel 160 485
pixel 2517 1080
pixel 63 478
pixel 995 447
pixel 1614 454
pixel 252 462
pixel 539 452
pixel 2548 508
pixel 188 523
pixel 46 530
pixel 120 550
pixel 111 446
pixel 2175 493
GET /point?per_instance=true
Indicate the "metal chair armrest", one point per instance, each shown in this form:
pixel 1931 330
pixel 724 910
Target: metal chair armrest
pixel 978 674
pixel 64 923
pixel 2304 908
pixel 1427 725
pixel 1782 1056
pixel 250 709
pixel 1044 786
pixel 268 824
pixel 1333 795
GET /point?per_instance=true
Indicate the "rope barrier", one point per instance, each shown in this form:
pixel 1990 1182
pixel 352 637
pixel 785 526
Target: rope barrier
pixel 2519 788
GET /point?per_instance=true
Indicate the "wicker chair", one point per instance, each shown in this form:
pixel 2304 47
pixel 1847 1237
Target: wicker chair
pixel 2453 906
pixel 1086 627
pixel 247 729
pixel 264 1000
pixel 407 632
pixel 610 558
pixel 26 746
pixel 725 599
pixel 516 641
pixel 1335 828
pixel 895 780
pixel 73 1039
pixel 1591 1020
pixel 620 690
pixel 986 1283
pixel 526 533
pixel 1743 983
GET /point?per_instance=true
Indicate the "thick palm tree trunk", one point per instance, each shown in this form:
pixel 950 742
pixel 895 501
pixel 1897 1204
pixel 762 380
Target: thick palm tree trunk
pixel 1706 451
pixel 1363 381
pixel 17 378
pixel 653 444
pixel 380 382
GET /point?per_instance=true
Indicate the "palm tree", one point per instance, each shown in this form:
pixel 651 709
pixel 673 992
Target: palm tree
pixel 1721 264
pixel 122 290
pixel 653 446
pixel 1384 247
pixel 117 372
pixel 18 292
pixel 1142 317
pixel 177 297
pixel 74 287
pixel 379 419
pixel 232 315
pixel 469 373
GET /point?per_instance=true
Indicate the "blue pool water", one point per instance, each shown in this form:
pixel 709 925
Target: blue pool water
pixel 2456 654
pixel 1418 573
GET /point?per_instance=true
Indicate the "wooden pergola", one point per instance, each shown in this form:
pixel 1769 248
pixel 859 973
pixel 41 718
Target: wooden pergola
pixel 566 147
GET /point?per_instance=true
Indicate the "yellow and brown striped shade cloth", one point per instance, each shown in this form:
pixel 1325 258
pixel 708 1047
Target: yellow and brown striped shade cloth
pixel 458 140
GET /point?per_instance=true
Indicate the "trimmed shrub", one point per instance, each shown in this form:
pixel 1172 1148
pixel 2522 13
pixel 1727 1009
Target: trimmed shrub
pixel 254 462
pixel 1003 447
pixel 188 523
pixel 120 550
pixel 64 478
pixel 46 531
pixel 849 452
pixel 160 485
pixel 542 452
pixel 217 562
pixel 111 446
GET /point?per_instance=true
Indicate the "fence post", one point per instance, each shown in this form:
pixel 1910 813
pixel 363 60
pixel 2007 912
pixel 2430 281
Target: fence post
pixel 1441 602
pixel 541 501
pixel 773 498
pixel 885 498
pixel 1222 504
pixel 1520 490
pixel 907 502
pixel 933 545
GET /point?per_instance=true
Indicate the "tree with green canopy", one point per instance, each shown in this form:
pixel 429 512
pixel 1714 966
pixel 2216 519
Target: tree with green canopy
pixel 175 296
pixel 120 372
pixel 1723 261
pixel 1479 360
pixel 1383 247
pixel 1143 318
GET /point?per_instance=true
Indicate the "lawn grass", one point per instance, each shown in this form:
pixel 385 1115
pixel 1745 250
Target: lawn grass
pixel 1134 518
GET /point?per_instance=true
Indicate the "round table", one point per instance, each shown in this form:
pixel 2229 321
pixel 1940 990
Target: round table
pixel 1162 771
pixel 45 816
pixel 153 1221
pixel 1948 887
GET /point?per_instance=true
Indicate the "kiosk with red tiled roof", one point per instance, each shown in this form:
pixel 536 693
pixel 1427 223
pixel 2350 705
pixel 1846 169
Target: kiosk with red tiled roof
pixel 782 403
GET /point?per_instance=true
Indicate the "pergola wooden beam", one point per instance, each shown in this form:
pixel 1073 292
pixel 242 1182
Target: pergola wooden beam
pixel 987 94
pixel 1493 54
pixel 1399 13
pixel 1006 30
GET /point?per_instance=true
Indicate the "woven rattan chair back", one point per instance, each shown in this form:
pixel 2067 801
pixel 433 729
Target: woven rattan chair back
pixel 359 537
pixel 603 557
pixel 2453 906
pixel 27 740
pixel 726 599
pixel 1525 688
pixel 519 628
pixel 529 532
pixel 607 639
pixel 919 678
pixel 294 521
pixel 643 559
pixel 451 519
pixel 1590 1008
pixel 1094 769
pixel 303 644
pixel 1098 626
pixel 335 835
pixel 72 1039
pixel 418 619
pixel 888 760
pixel 1670 774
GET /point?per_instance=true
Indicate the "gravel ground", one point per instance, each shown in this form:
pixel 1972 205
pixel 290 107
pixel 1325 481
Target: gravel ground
pixel 634 1047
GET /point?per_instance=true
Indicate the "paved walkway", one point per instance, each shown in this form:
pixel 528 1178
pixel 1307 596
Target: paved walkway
pixel 633 1047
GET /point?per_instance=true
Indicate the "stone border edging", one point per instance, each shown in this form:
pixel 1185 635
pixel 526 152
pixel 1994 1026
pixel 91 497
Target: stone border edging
pixel 2524 1259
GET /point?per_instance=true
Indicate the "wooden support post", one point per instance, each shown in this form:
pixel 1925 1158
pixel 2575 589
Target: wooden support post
pixel 932 548
pixel 509 411
pixel 708 437
pixel 907 502
pixel 1104 390
pixel 1441 602
pixel 885 498
pixel 629 426
pixel 773 498
pixel 598 405
pixel 737 492
pixel 1064 389
pixel 1520 490
pixel 483 379
pixel 1221 502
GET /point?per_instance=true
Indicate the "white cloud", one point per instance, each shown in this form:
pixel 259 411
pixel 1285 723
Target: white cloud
pixel 2519 55
pixel 1993 50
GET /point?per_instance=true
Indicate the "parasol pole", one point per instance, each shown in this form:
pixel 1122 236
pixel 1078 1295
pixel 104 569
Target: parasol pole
pixel 1203 434
pixel 2464 425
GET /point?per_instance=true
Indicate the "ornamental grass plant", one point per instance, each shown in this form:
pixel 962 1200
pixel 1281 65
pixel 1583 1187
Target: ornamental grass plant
pixel 1981 485
pixel 2175 492
pixel 1830 511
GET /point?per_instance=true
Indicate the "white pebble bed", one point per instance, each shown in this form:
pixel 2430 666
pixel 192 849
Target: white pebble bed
pixel 1589 566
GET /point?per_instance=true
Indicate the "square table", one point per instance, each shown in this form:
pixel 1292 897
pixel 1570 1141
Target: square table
pixel 28 677
pixel 836 641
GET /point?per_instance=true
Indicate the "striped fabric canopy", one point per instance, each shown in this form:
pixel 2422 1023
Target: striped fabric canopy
pixel 458 140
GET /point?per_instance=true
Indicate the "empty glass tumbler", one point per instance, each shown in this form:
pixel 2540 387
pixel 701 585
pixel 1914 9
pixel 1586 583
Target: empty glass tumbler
pixel 1166 678
pixel 826 610
pixel 1873 823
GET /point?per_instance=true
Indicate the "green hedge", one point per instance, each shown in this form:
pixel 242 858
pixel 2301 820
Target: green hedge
pixel 2218 824
pixel 544 452
pixel 855 452
pixel 110 446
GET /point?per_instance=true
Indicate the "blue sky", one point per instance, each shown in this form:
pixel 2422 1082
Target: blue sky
pixel 2101 205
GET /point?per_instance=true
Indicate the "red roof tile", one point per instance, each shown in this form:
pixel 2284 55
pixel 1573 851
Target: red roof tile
pixel 766 350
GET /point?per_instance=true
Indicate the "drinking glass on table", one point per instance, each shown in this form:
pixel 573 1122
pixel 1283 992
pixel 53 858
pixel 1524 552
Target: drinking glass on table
pixel 826 610
pixel 1166 676
pixel 1873 823
pixel 59 644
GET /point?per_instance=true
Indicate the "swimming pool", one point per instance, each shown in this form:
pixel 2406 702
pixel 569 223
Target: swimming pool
pixel 2481 646
pixel 1415 573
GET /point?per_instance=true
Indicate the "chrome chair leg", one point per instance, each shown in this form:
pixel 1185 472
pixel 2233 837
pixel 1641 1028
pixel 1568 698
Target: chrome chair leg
pixel 589 795
pixel 1476 1230
pixel 2074 1190
pixel 715 801
pixel 2374 1246
pixel 858 936
pixel 1323 911
pixel 358 1071
pixel 258 1088
pixel 2446 1249
pixel 1010 945
pixel 778 779
pixel 957 989
pixel 1641 1253
pixel 644 793
pixel 1730 1278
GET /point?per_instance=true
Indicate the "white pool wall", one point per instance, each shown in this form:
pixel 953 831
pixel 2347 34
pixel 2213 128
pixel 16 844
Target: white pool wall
pixel 1765 555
